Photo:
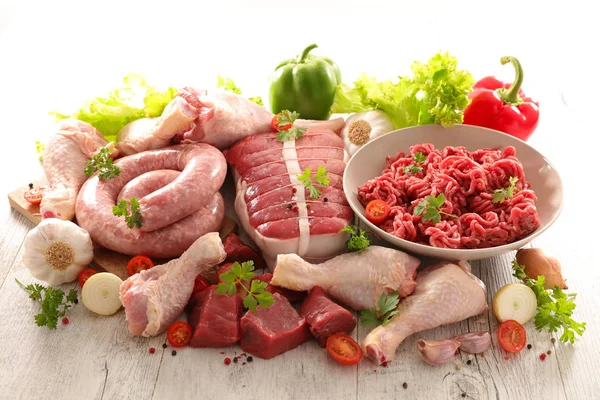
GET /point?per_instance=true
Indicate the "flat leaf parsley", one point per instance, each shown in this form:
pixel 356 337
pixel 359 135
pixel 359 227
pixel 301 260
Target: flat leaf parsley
pixel 359 239
pixel 320 177
pixel 53 302
pixel 102 163
pixel 414 168
pixel 236 276
pixel 500 195
pixel 430 208
pixel 133 219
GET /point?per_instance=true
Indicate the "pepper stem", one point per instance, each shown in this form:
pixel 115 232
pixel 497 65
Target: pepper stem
pixel 511 96
pixel 304 53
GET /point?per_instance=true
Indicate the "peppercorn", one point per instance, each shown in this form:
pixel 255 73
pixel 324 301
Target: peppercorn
pixel 528 347
pixel 152 350
pixel 31 186
pixel 76 301
pixel 294 190
pixel 384 364
pixel 464 394
pixel 549 352
pixel 164 345
pixel 227 361
pixel 289 206
pixel 249 359
pixel 405 385
pixel 173 353
pixel 235 360
pixel 65 320
pixel 553 340
pixel 469 362
pixel 542 356
pixel 326 199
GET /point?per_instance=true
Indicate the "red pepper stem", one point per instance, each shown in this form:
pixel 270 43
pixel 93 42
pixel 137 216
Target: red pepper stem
pixel 511 96
pixel 304 53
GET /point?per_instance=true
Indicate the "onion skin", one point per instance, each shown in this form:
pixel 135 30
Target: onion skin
pixel 537 263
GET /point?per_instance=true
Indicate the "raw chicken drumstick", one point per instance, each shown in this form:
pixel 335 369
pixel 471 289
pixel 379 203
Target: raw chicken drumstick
pixel 445 293
pixel 355 279
pixel 154 298
pixel 65 158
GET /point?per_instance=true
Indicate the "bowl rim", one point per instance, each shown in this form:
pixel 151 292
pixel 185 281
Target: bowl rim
pixel 441 251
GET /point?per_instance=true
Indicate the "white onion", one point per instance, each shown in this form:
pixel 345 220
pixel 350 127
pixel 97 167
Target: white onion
pixel 515 301
pixel 100 293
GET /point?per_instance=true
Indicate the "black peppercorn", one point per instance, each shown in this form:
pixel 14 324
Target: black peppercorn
pixel 76 301
pixel 289 206
pixel 31 186
pixel 325 199
pixel 249 358
pixel 528 347
pixel 235 360
pixel 464 394
pixel 173 353
pixel 164 345
pixel 405 385
pixel 468 362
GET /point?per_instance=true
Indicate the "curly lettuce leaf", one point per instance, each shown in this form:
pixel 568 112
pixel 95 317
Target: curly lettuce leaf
pixel 435 94
pixel 228 84
pixel 134 100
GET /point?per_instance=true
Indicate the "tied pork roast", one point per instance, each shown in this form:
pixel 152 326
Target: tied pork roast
pixel 273 205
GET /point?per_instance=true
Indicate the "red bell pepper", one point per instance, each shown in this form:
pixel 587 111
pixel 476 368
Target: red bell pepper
pixel 502 106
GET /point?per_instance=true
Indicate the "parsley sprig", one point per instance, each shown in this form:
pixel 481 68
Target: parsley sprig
pixel 102 163
pixel 500 195
pixel 320 177
pixel 285 130
pixel 554 306
pixel 236 276
pixel 359 239
pixel 414 168
pixel 53 302
pixel 133 219
pixel 387 307
pixel 430 208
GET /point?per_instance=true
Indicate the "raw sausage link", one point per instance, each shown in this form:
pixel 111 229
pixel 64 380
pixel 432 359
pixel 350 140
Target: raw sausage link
pixel 176 207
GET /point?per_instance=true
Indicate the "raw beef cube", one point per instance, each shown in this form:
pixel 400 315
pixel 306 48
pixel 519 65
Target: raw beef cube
pixel 291 295
pixel 239 251
pixel 269 332
pixel 324 316
pixel 215 319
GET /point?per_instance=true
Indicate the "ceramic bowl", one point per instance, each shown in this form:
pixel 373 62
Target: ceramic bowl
pixel 369 161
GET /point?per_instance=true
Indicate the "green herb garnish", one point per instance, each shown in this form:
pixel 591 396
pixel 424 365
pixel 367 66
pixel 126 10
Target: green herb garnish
pixel 53 302
pixel 102 163
pixel 359 239
pixel 431 208
pixel 133 219
pixel 414 168
pixel 320 177
pixel 387 307
pixel 236 276
pixel 554 306
pixel 39 150
pixel 285 130
pixel 228 84
pixel 505 193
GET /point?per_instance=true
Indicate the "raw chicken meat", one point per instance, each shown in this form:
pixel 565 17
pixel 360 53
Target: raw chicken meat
pixel 355 279
pixel 154 298
pixel 269 332
pixel 65 158
pixel 445 293
pixel 291 295
pixel 215 319
pixel 273 205
pixel 325 317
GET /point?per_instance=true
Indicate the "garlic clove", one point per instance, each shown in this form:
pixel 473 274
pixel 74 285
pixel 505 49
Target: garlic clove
pixel 474 342
pixel 437 352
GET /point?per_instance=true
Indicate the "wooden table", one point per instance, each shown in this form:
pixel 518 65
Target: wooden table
pixel 95 358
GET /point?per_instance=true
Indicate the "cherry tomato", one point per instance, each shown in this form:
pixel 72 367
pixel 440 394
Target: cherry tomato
pixel 377 211
pixel 200 284
pixel 35 195
pixel 179 334
pixel 85 275
pixel 512 336
pixel 275 124
pixel 137 264
pixel 343 349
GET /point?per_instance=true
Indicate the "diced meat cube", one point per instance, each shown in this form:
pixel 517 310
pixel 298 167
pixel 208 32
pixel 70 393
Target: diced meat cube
pixel 291 295
pixel 239 251
pixel 269 332
pixel 215 318
pixel 324 316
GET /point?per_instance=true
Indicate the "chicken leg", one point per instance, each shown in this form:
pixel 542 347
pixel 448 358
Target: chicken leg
pixel 445 293
pixel 154 298
pixel 355 279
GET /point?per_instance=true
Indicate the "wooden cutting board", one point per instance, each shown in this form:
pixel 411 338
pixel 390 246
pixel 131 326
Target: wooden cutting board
pixel 105 259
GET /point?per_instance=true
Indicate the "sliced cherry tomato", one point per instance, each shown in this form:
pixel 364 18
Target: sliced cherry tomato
pixel 179 334
pixel 85 275
pixel 343 349
pixel 137 264
pixel 200 284
pixel 512 336
pixel 35 195
pixel 275 124
pixel 377 211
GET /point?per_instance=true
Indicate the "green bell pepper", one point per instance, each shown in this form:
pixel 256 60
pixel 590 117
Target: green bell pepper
pixel 305 84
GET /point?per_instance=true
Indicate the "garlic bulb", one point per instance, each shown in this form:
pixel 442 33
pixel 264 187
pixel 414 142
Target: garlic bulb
pixel 56 251
pixel 362 127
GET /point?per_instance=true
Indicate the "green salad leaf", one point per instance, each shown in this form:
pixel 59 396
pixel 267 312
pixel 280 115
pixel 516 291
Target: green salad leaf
pixel 134 100
pixel 435 94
